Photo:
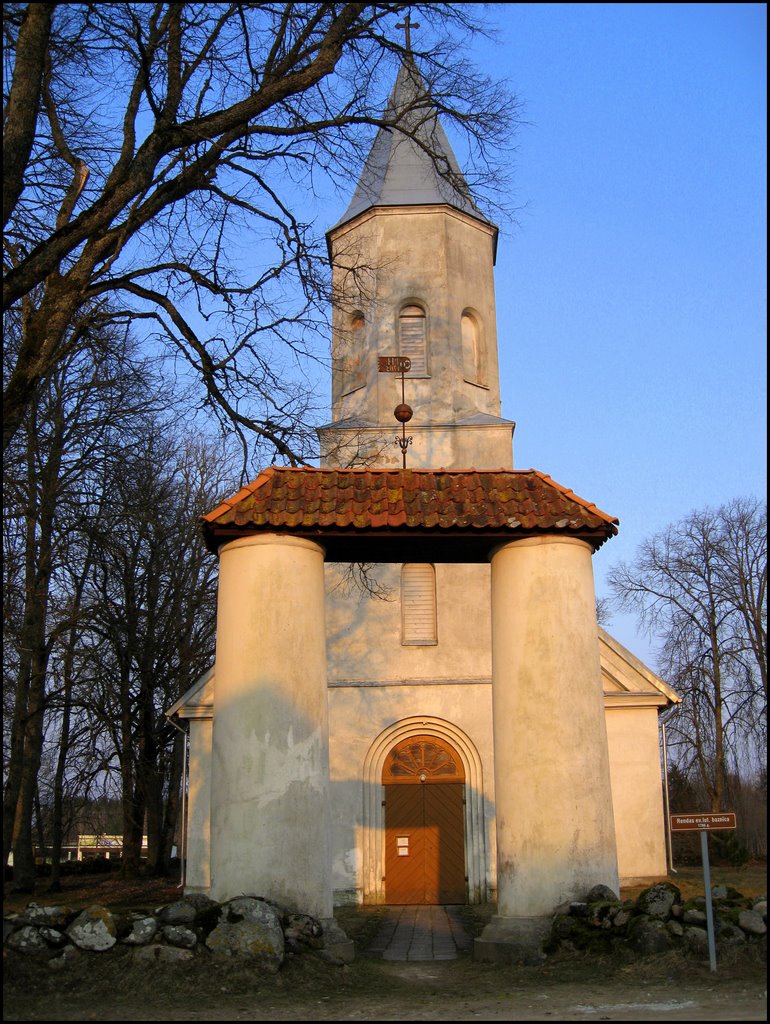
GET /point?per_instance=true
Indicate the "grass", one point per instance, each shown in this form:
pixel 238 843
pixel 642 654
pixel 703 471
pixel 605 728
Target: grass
pixel 360 922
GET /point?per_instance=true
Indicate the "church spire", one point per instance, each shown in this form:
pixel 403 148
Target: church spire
pixel 411 164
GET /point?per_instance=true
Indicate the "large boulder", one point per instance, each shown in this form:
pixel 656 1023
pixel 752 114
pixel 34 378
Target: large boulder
pixel 26 940
pixel 249 928
pixel 752 922
pixel 729 934
pixel 142 931
pixel 696 941
pixel 658 900
pixel 601 893
pixel 182 912
pixel 94 929
pixel 52 917
pixel 648 935
pixel 178 935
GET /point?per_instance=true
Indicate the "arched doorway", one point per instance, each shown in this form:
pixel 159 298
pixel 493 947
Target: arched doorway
pixel 424 783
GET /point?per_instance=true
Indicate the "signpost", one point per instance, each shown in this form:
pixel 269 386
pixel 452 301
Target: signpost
pixel 702 822
pixel 705 823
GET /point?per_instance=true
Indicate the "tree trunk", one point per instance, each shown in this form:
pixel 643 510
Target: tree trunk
pixel 39 568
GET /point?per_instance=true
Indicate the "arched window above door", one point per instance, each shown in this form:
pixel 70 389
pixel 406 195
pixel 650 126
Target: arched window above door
pixel 423 759
pixel 413 339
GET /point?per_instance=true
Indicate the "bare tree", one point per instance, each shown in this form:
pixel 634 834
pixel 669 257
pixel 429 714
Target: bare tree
pixel 152 633
pixel 160 161
pixel 700 587
pixel 68 436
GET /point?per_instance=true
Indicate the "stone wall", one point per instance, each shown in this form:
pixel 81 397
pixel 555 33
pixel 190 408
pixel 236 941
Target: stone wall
pixel 658 921
pixel 246 927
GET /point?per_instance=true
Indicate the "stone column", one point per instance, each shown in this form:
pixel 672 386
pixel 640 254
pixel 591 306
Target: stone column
pixel 270 779
pixel 553 803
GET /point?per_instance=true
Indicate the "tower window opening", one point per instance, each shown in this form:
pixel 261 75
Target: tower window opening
pixel 474 354
pixel 412 339
pixel 350 354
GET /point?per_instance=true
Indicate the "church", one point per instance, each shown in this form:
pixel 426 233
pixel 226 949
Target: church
pixel 412 701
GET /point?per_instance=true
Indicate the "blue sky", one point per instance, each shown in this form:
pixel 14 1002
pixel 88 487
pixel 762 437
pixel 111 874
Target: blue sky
pixel 631 295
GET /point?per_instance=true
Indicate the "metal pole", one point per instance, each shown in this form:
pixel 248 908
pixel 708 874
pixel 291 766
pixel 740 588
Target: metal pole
pixel 704 853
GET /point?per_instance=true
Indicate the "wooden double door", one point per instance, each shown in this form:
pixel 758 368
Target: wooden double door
pixel 424 823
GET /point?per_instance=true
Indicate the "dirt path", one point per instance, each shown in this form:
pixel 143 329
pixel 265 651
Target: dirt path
pixel 309 990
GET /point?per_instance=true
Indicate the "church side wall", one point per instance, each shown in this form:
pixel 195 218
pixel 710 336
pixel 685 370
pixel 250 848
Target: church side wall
pixel 637 794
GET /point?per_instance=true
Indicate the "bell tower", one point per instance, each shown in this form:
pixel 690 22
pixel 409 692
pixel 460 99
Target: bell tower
pixel 412 265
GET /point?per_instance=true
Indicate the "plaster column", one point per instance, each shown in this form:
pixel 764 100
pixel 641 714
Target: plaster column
pixel 553 803
pixel 270 780
pixel 198 867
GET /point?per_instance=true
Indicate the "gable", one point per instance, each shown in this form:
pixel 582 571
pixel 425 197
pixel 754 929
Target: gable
pixel 627 681
pixel 198 701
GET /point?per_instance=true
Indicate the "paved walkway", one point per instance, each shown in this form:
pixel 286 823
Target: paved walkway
pixel 421 933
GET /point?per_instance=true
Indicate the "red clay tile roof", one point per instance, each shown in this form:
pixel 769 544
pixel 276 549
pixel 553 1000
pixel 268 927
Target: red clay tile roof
pixel 492 505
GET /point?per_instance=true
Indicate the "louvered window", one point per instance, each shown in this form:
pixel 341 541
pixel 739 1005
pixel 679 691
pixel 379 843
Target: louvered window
pixel 418 605
pixel 412 340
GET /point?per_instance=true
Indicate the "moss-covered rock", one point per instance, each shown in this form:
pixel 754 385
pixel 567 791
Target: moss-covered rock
pixel 658 900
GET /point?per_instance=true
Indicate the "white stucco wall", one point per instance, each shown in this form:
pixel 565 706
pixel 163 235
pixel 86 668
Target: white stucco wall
pixel 555 831
pixel 637 794
pixel 364 634
pixel 474 446
pixel 375 682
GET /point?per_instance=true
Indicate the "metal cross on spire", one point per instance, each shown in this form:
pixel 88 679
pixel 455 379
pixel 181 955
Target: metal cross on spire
pixel 407 26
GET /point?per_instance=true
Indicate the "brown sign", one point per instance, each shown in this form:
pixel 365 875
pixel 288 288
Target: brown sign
pixel 393 364
pixel 702 822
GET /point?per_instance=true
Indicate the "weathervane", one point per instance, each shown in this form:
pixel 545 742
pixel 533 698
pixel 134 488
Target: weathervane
pixel 407 25
pixel 402 412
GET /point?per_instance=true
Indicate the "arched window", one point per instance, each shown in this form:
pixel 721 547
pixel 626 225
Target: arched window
pixel 418 605
pixel 474 354
pixel 351 354
pixel 412 339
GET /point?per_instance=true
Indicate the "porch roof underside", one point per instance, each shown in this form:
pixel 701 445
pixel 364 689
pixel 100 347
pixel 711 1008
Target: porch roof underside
pixel 388 515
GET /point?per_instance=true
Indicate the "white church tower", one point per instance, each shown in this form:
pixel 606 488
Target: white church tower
pixel 412 261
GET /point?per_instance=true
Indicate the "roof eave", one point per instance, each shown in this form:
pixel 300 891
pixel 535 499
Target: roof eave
pixel 449 544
